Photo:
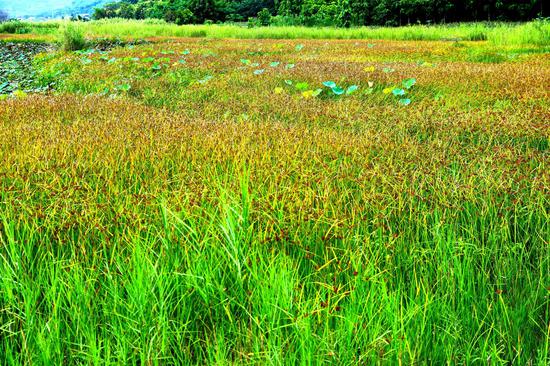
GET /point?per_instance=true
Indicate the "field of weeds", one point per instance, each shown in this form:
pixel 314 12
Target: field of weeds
pixel 351 202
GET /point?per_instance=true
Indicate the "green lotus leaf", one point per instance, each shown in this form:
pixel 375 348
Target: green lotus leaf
pixel 338 91
pixel 398 92
pixel 409 83
pixel 352 89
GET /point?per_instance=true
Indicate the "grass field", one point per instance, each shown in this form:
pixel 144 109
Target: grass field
pixel 204 201
pixel 531 33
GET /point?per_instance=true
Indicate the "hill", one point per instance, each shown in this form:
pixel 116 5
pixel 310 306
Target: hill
pixel 50 8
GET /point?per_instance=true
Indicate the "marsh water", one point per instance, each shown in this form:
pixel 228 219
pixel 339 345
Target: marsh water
pixel 16 66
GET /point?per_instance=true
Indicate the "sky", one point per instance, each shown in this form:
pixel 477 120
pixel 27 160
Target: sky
pixel 18 8
pixel 29 7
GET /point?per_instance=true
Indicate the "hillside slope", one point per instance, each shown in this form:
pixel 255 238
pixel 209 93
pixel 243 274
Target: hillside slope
pixel 49 8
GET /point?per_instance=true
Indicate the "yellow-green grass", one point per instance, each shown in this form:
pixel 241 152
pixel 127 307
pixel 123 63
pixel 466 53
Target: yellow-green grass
pixel 529 33
pixel 149 218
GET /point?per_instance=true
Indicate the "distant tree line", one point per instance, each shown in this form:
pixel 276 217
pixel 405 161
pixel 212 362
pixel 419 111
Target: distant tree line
pixel 342 13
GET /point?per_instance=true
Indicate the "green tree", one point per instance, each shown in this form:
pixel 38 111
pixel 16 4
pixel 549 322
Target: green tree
pixel 361 11
pixel 290 7
pixel 414 10
pixel 126 11
pixel 204 10
pixel 344 16
pixel 264 17
pixel 326 12
pixel 384 13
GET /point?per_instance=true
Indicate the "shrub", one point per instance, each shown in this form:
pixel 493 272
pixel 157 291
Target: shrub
pixel 72 38
pixel 253 22
pixel 185 16
pixel 286 20
pixel 15 27
pixel 264 17
pixel 201 33
pixel 477 36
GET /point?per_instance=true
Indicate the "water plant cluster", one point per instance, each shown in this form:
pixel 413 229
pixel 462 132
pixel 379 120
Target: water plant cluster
pixel 16 66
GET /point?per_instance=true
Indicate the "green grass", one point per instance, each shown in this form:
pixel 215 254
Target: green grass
pixel 71 38
pixel 534 33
